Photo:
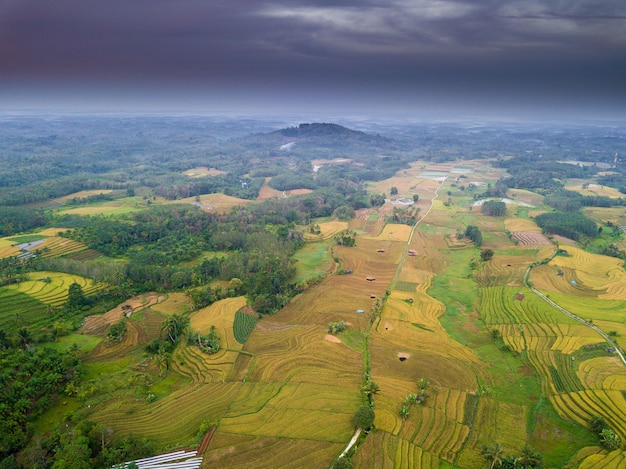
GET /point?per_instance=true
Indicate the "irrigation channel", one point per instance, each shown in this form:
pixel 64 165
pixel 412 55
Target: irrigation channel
pixel 356 435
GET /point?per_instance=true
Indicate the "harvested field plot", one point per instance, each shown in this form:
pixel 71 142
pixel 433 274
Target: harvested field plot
pixel 217 202
pixel 229 451
pixel 267 192
pixel 531 238
pixel 327 230
pixel 173 303
pixel 202 171
pixel 97 325
pixel 393 232
pixel 180 413
pixel 220 314
pixel 300 354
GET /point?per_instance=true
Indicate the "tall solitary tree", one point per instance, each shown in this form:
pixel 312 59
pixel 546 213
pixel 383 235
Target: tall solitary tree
pixel 75 296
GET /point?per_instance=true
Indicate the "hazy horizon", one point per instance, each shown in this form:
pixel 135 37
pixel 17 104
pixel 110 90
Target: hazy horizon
pixel 515 60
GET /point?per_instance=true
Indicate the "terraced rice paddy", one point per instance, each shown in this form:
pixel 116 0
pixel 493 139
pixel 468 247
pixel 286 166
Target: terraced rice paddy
pixel 51 288
pixel 503 365
pixel 29 302
pixel 327 230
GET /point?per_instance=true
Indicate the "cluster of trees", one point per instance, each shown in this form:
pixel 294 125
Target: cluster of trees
pixel 573 225
pixel 345 238
pixel 494 208
pixel 529 458
pixel 117 332
pixel 81 444
pixel 336 327
pixel 418 398
pixel 405 216
pixel 608 438
pixel 18 219
pixel 472 232
pixel 30 381
pixel 208 343
pixel 570 201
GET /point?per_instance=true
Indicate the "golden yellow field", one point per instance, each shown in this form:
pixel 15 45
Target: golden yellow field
pixel 583 274
pixel 84 194
pixel 217 202
pixel 51 287
pixel 521 224
pixel 601 215
pixel 394 232
pixel 173 303
pixel 593 189
pixel 267 192
pixel 220 314
pixel 328 230
pixel 202 171
pixel 525 196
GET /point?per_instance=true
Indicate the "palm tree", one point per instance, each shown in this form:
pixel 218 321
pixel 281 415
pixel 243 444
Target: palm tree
pixel 404 412
pixel 174 326
pixel 371 388
pixel 609 440
pixel 4 339
pixel 493 454
pixel 530 458
pixel 162 362
pixel 25 336
pixel 423 383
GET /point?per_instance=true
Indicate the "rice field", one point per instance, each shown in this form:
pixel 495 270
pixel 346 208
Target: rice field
pixel 218 202
pixel 327 230
pixel 282 392
pixel 202 171
pixel 51 288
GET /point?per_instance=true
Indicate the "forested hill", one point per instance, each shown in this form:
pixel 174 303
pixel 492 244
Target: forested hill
pixel 323 130
pixel 323 135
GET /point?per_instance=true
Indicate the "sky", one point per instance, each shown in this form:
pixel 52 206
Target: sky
pixel 353 56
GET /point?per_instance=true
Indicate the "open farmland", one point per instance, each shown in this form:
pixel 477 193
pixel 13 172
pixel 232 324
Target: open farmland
pixel 218 202
pixel 462 353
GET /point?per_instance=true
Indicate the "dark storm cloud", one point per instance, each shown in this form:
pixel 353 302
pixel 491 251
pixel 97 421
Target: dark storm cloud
pixel 407 45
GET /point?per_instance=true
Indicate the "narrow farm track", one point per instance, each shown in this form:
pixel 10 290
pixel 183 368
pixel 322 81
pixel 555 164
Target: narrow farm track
pixel 408 243
pixel 393 282
pixel 604 335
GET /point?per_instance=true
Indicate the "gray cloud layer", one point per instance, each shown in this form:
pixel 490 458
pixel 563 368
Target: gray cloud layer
pixel 463 46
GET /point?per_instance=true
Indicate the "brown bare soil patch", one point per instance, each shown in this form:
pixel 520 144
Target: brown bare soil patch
pixel 564 240
pixel 206 439
pixel 526 238
pixel 96 325
pixel 404 355
pixel 332 338
pixel 267 192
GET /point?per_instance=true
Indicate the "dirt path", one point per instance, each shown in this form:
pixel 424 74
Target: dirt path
pixel 393 281
pixel 604 335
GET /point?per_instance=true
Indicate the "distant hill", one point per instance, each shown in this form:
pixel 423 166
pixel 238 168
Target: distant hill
pixel 321 135
pixel 320 130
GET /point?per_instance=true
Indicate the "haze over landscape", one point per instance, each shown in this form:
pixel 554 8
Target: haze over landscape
pixel 308 233
pixel 544 58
